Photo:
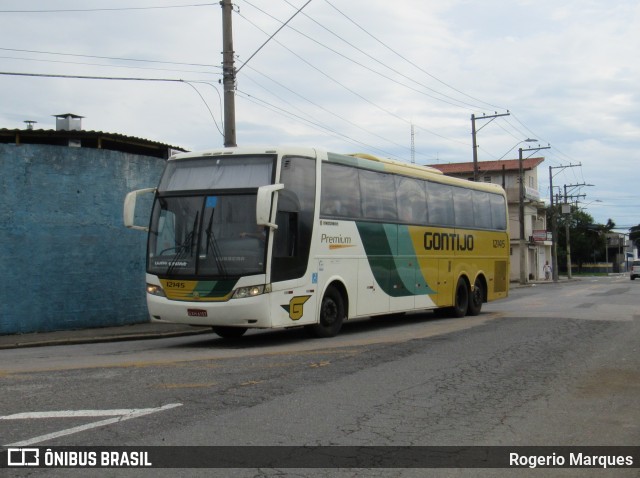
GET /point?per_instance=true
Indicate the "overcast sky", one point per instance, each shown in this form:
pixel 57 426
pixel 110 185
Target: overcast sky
pixel 351 76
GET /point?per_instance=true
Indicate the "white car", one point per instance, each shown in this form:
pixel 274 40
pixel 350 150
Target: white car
pixel 635 269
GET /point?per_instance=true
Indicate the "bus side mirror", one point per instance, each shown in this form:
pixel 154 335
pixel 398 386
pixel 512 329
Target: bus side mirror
pixel 129 210
pixel 263 204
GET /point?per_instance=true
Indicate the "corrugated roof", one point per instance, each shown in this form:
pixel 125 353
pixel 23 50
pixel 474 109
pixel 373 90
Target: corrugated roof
pixel 90 139
pixel 83 133
pixel 488 166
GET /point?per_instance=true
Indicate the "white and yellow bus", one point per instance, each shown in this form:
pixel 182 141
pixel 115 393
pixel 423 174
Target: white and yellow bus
pixel 273 238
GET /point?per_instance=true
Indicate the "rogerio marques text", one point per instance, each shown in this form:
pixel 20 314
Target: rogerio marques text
pixel 577 460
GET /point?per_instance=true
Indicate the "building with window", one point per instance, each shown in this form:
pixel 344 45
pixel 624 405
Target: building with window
pixel 537 233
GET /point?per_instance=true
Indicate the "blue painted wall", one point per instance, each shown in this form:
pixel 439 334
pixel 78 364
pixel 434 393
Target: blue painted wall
pixel 66 260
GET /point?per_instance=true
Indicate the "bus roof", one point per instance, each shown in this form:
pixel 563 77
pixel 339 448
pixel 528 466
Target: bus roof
pixel 359 160
pixel 367 161
pixel 397 164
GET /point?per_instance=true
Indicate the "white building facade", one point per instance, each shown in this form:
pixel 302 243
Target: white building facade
pixel 537 233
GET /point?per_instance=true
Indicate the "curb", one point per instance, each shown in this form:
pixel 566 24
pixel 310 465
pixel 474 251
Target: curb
pixel 26 341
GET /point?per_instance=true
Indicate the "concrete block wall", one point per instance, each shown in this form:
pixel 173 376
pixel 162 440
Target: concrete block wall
pixel 66 260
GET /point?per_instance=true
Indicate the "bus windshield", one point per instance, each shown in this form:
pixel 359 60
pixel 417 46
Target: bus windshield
pixel 206 236
pixel 204 219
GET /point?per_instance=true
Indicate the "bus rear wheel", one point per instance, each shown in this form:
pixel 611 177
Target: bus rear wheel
pixel 461 300
pixel 331 315
pixel 229 332
pixel 476 299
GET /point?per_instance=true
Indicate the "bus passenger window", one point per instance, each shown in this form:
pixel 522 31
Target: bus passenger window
pixel 340 191
pixel 482 209
pixel 412 201
pixel 498 212
pixel 440 204
pixel 378 198
pixel 463 207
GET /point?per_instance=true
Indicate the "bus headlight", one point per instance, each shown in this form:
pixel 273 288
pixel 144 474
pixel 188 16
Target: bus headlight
pixel 252 291
pixel 155 290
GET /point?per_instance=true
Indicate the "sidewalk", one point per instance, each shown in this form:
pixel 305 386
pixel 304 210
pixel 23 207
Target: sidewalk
pixel 532 283
pixel 103 334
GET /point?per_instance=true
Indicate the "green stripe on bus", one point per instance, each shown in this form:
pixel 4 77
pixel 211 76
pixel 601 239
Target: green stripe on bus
pixel 215 289
pixel 413 275
pixel 392 259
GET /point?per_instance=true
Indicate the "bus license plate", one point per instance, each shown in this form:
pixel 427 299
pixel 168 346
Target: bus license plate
pixel 196 313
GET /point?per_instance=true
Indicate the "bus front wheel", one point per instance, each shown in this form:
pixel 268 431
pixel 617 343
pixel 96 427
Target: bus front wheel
pixel 331 315
pixel 461 300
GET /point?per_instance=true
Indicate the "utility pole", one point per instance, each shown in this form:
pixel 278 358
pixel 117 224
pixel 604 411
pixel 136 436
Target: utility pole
pixel 228 76
pixel 473 138
pixel 554 222
pixel 554 232
pixel 229 71
pixel 566 225
pixel 523 272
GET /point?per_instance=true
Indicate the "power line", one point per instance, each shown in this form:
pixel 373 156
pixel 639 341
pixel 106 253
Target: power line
pixel 110 57
pixel 115 78
pixel 407 60
pixel 331 78
pixel 106 65
pixel 209 109
pixel 314 124
pixel 89 77
pixel 359 64
pixel 458 103
pixel 89 10
pixel 336 115
pixel 273 35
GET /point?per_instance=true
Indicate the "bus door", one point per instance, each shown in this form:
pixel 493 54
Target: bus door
pixel 291 275
pixel 444 296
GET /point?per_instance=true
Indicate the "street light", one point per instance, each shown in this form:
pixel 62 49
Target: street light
pixel 528 140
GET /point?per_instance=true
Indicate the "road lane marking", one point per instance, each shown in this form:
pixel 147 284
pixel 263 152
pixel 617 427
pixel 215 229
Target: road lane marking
pixel 118 415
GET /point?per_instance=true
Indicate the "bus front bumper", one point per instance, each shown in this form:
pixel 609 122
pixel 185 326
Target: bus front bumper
pixel 245 312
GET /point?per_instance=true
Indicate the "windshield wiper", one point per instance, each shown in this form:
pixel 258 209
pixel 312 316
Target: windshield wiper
pixel 186 246
pixel 213 243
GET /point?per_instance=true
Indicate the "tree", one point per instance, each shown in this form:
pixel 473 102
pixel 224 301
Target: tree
pixel 588 240
pixel 634 235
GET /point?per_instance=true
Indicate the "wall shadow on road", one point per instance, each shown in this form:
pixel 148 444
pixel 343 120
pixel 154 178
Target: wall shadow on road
pixel 256 338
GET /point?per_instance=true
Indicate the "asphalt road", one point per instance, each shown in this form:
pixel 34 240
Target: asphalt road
pixel 552 365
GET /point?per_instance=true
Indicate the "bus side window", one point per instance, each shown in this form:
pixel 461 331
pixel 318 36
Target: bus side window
pixel 340 192
pixel 463 207
pixel 440 204
pixel 482 209
pixel 498 212
pixel 412 200
pixel 378 197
